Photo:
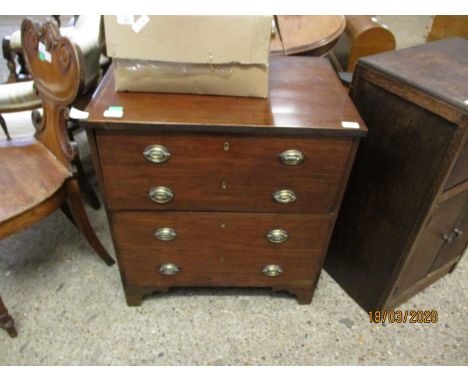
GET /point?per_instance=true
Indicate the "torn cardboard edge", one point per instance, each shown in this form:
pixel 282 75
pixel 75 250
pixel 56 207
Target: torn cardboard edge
pixel 163 77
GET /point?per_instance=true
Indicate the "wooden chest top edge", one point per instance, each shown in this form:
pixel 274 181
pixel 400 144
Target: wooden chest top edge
pixel 305 95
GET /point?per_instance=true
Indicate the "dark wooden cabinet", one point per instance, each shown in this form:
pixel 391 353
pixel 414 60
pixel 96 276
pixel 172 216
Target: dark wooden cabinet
pixel 226 191
pixel 403 222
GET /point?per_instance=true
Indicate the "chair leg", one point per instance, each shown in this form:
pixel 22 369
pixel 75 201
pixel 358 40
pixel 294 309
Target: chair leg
pixel 86 187
pixel 83 181
pixel 66 211
pixel 81 219
pixel 6 321
pixel 4 127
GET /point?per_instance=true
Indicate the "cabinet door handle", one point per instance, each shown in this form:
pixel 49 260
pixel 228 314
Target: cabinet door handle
pixel 157 154
pixel 448 238
pixel 161 194
pixel 292 157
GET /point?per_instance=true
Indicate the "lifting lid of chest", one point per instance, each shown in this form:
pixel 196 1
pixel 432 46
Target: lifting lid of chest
pixel 438 70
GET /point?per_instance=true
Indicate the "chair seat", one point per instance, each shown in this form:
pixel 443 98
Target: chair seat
pixel 29 175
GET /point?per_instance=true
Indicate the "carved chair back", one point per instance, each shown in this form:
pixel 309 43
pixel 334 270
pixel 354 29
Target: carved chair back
pixel 55 66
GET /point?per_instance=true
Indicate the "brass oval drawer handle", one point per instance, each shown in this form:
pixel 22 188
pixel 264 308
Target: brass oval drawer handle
pixel 272 270
pixel 161 194
pixel 156 154
pixel 169 269
pixel 277 236
pixel 292 157
pixel 284 196
pixel 165 234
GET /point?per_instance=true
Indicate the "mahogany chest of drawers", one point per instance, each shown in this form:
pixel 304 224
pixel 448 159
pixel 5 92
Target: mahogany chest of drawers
pixel 225 191
pixel 404 219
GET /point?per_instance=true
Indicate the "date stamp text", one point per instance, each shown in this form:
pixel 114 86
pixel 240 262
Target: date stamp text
pixel 404 316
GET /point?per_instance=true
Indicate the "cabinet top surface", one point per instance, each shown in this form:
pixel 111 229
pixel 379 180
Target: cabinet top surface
pixel 439 69
pixel 306 96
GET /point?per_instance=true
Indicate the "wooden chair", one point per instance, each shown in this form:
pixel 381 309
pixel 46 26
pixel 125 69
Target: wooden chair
pixel 19 94
pixel 37 175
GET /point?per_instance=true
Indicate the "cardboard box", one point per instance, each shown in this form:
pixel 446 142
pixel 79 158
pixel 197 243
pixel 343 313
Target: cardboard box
pixel 222 55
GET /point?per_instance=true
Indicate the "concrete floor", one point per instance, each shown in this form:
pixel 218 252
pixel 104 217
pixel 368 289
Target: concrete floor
pixel 70 310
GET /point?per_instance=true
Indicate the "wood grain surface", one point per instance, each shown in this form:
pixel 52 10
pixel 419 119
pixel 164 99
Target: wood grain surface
pixel 406 199
pixel 223 249
pixel 206 177
pixel 307 34
pixel 459 173
pixel 439 69
pixel 223 169
pixel 29 175
pixel 306 97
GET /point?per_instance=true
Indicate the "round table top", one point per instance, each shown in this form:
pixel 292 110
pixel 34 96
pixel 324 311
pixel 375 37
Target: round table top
pixel 303 34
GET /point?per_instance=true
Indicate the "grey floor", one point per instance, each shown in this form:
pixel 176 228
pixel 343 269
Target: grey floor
pixel 70 309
